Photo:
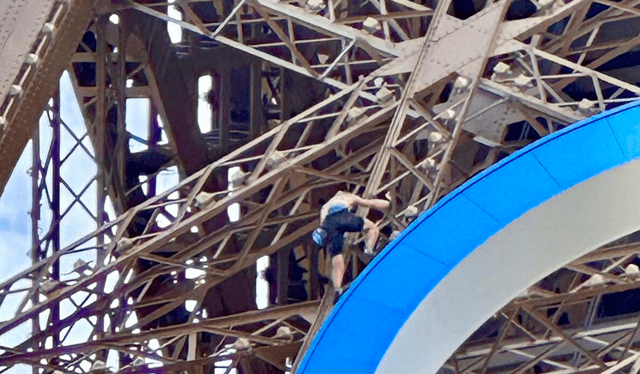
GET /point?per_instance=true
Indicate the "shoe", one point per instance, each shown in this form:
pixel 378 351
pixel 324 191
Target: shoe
pixel 336 296
pixel 339 292
pixel 369 251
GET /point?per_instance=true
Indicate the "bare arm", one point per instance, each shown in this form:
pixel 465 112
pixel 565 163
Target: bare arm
pixel 323 213
pixel 351 200
pixel 378 204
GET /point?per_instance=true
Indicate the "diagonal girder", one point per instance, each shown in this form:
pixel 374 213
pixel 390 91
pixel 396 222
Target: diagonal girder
pixel 351 140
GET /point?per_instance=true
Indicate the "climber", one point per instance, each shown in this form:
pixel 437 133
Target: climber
pixel 337 218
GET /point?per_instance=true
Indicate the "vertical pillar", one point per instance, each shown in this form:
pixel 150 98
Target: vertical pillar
pixel 283 276
pixel 284 98
pixel 347 68
pixel 35 218
pixel 55 204
pixel 257 110
pixel 100 128
pixel 224 109
pixel 155 134
pixel 121 143
pixel 35 195
pixel 99 125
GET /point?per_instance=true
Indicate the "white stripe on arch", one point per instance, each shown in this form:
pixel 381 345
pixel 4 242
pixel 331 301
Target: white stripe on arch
pixel 563 228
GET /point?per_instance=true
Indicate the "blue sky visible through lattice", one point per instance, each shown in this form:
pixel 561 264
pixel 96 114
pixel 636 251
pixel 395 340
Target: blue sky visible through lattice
pixel 78 170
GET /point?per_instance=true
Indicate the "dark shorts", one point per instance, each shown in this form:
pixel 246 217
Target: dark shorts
pixel 336 224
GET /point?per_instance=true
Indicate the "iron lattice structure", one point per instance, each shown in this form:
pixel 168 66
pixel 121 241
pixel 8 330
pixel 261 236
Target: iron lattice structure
pixel 398 99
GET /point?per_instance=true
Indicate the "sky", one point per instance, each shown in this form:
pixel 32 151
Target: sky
pixel 77 170
pixel 15 223
pixel 16 203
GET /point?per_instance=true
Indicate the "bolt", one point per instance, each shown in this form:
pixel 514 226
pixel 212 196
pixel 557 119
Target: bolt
pixel 501 68
pixel 48 28
pixel 586 106
pixel 435 137
pixel 522 80
pixel 31 59
pixel 15 90
pixel 371 25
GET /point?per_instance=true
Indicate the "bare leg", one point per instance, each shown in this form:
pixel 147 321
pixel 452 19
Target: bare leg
pixel 337 270
pixel 372 236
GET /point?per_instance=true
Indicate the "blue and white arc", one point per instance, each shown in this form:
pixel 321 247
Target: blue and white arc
pixel 481 245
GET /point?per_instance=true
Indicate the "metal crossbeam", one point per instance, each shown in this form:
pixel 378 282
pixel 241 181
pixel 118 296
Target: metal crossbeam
pixel 400 111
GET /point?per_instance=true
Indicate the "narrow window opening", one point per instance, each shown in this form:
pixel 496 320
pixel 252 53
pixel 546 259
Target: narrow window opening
pixel 175 31
pixel 205 83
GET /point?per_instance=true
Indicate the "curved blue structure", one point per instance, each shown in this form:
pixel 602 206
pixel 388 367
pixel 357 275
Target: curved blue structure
pixel 366 322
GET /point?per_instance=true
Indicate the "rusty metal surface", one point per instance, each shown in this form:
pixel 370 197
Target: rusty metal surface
pixel 38 80
pixel 315 128
pixel 20 22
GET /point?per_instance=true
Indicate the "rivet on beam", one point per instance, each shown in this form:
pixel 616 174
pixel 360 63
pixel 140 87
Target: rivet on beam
pixel 48 28
pixel 241 343
pixel 15 90
pixel 523 81
pixel 354 113
pixel 409 212
pixel 98 365
pixel 435 137
pixel 283 332
pixel 139 361
pixel 315 5
pixel 501 70
pixel 371 25
pixel 31 59
pixel 632 269
pixel 202 199
pixel 125 244
pixel 545 3
pixel 586 106
pixel 448 114
pixel 485 141
pixel 461 83
pixel 275 159
pixel 48 286
pixel 323 58
pixel 595 280
pixel 238 178
pixel 431 163
pixel 394 234
pixel 384 95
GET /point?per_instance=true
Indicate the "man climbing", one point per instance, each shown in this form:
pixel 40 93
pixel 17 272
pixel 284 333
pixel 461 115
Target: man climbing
pixel 337 218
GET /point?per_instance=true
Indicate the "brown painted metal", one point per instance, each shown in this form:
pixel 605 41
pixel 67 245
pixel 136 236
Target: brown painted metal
pixel 313 102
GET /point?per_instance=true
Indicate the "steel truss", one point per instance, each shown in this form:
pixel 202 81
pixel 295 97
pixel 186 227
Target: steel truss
pixel 570 322
pixel 409 109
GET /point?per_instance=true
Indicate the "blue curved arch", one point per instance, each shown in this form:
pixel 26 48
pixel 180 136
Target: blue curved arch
pixel 363 324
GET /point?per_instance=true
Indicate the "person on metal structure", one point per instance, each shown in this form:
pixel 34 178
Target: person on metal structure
pixel 337 218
